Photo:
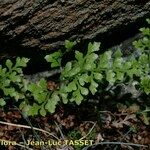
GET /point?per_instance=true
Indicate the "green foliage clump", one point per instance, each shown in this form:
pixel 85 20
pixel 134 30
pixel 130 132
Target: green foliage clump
pixel 11 80
pixel 80 77
pixel 39 99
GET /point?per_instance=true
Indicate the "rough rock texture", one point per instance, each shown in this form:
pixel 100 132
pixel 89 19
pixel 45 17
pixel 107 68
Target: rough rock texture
pixel 45 24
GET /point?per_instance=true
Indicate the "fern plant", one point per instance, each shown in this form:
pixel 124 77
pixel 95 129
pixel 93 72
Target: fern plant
pixel 85 74
pixel 78 78
pixel 11 80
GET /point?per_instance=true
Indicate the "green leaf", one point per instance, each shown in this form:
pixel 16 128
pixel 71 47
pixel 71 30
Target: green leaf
pixel 90 61
pixel 69 45
pixel 9 63
pixel 72 86
pixel 43 111
pixel 104 60
pixel 34 110
pixel 3 72
pixel 53 56
pixel 39 90
pixel 143 59
pixel 21 62
pixel 145 84
pixel 49 58
pixel 40 97
pixel 66 69
pixel 133 71
pixel 72 99
pixel 127 65
pixel 148 21
pixel 18 70
pixel 118 63
pixel 145 31
pixel 84 78
pixel 54 59
pixel 9 91
pixel 68 66
pixel 91 58
pixel 110 76
pixel 79 56
pixel 96 46
pixel 64 97
pixel 118 53
pixel 78 99
pixel 119 76
pixel 43 84
pixel 52 102
pixel 2 102
pixel 22 105
pixel 93 47
pixel 14 77
pixel 90 48
pixel 6 82
pixel 25 108
pixel 74 71
pixel 84 91
pixel 55 64
pixel 33 87
pixel 93 87
pixel 98 76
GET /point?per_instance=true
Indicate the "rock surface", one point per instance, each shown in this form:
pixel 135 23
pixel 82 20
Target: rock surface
pixel 45 24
